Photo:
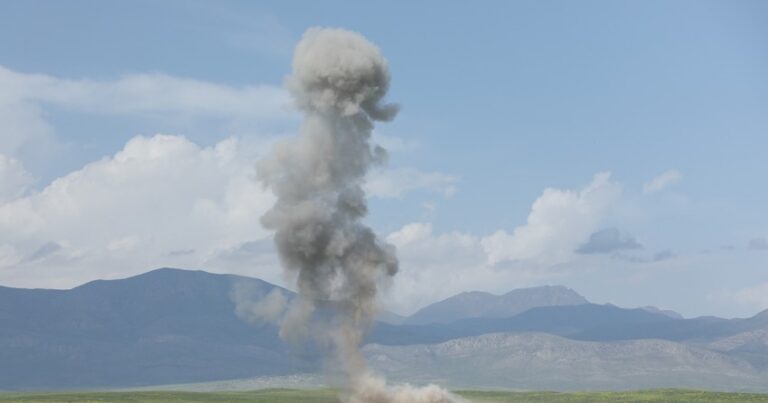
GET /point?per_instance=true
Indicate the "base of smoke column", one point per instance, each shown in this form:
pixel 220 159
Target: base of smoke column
pixel 368 388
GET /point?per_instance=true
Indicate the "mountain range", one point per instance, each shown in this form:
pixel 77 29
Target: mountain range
pixel 172 326
pixel 477 304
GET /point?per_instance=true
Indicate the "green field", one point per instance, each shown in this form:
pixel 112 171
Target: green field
pixel 329 396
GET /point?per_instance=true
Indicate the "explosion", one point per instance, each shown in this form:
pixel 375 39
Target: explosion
pixel 339 81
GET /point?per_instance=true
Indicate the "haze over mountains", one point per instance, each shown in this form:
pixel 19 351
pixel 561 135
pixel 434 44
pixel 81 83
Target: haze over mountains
pixel 174 326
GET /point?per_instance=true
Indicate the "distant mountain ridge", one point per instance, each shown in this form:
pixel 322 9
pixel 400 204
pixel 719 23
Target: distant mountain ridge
pixel 172 326
pixel 476 304
pixel 582 322
pixel 165 326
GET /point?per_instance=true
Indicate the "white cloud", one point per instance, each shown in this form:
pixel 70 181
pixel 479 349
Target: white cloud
pixel 148 94
pixel 23 128
pixel 25 98
pixel 125 214
pixel 398 181
pixel 559 221
pixel 663 181
pixel 131 211
pixel 436 266
pixel 14 180
pixel 417 244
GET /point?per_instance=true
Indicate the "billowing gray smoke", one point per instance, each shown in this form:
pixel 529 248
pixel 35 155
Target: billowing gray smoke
pixel 339 81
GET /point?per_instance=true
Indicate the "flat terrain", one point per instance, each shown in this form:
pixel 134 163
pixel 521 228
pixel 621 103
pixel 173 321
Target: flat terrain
pixel 666 395
pixel 329 396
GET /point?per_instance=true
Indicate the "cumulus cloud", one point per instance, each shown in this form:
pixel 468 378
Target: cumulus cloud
pixel 663 181
pixel 397 181
pixel 559 221
pixel 435 266
pixel 758 244
pixel 130 212
pixel 607 241
pixel 417 243
pixel 438 265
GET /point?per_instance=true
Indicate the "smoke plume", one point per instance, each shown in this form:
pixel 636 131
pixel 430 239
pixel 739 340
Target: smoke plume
pixel 339 82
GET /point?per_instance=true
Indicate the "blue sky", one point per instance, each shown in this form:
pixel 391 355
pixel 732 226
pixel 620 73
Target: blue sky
pixel 500 102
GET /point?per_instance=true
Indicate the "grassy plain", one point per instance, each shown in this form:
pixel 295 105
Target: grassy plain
pixel 330 396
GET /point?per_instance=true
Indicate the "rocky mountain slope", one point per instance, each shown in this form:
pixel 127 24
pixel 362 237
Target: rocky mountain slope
pixel 548 362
